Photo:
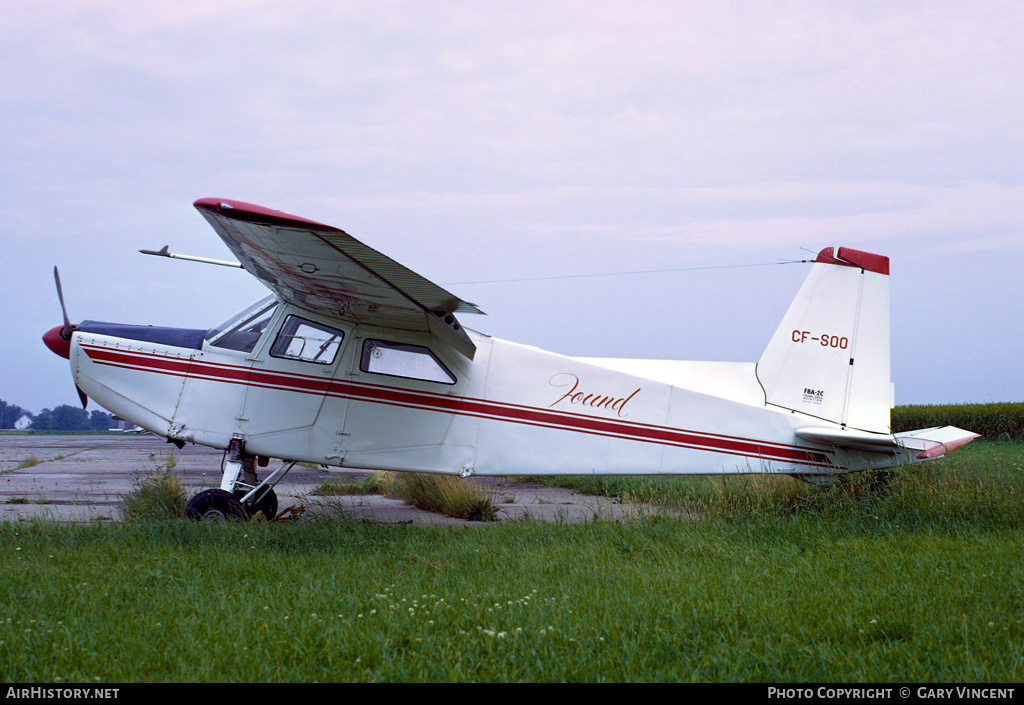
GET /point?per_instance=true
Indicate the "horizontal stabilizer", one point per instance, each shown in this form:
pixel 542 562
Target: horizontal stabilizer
pixel 850 439
pixel 928 443
pixel 935 442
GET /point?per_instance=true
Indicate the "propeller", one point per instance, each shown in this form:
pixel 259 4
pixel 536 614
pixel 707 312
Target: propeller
pixel 58 338
pixel 65 332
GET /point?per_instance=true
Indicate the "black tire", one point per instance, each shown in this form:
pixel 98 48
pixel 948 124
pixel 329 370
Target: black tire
pixel 214 505
pixel 267 503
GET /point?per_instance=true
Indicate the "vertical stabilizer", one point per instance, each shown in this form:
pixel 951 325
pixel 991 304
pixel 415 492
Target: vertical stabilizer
pixel 830 356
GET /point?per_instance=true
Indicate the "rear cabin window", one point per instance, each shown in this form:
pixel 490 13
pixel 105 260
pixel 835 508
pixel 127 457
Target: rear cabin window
pixel 400 360
pixel 300 339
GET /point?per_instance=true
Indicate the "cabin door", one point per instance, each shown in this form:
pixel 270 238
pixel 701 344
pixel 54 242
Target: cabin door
pixel 291 398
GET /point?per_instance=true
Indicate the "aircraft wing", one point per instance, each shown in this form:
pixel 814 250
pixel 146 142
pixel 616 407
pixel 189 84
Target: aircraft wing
pixel 327 271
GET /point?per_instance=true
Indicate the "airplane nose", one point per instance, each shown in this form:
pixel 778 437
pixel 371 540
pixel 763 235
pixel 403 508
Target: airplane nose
pixel 54 340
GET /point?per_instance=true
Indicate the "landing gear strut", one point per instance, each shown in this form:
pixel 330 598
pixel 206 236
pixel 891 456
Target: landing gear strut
pixel 267 503
pixel 241 494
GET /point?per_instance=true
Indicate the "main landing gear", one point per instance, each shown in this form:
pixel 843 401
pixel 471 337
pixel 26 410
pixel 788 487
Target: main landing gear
pixel 241 494
pixel 214 505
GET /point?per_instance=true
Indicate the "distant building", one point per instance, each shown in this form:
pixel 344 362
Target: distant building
pixel 122 425
pixel 23 421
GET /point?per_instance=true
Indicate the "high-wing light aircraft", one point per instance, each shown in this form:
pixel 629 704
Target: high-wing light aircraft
pixel 356 361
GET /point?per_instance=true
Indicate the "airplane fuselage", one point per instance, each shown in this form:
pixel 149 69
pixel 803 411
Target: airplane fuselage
pixel 378 398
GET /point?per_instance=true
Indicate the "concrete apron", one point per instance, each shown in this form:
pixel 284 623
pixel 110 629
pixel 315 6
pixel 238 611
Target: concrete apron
pixel 82 479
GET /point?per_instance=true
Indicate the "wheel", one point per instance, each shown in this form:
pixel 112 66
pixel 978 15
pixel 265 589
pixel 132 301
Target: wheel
pixel 267 503
pixel 214 505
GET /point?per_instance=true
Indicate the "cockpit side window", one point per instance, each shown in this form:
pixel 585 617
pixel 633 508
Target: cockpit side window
pixel 243 330
pixel 300 339
pixel 399 360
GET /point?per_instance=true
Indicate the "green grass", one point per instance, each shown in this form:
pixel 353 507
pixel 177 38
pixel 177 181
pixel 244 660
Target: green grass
pixel 981 484
pixel 333 487
pixel 379 482
pixel 776 582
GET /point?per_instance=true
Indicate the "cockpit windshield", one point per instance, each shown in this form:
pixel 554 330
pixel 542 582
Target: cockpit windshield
pixel 243 330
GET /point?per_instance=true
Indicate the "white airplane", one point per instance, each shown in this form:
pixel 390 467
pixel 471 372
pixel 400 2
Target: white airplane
pixel 356 361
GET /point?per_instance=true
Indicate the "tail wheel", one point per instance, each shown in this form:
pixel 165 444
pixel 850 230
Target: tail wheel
pixel 214 505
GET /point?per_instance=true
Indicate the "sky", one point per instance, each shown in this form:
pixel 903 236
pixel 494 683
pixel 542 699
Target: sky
pixel 502 148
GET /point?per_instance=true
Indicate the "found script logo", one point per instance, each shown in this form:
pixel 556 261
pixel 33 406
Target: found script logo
pixel 585 398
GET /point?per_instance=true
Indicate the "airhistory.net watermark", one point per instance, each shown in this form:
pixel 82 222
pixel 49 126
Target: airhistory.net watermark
pixel 51 693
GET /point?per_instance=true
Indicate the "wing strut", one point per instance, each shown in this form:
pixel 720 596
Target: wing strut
pixel 165 252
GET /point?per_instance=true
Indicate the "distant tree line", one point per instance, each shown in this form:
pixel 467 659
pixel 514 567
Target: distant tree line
pixel 60 418
pixel 71 418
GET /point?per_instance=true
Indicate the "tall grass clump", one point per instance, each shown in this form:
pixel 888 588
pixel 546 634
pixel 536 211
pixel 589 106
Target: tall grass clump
pixel 765 496
pixel 450 495
pixel 154 496
pixel 29 462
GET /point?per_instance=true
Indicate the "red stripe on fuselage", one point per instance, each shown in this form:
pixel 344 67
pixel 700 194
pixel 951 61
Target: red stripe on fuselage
pixel 445 403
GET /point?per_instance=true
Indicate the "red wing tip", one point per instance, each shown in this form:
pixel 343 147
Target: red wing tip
pixel 942 448
pixel 240 210
pixel 848 257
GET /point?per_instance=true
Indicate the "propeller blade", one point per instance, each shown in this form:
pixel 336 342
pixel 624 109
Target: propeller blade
pixel 65 332
pixel 63 346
